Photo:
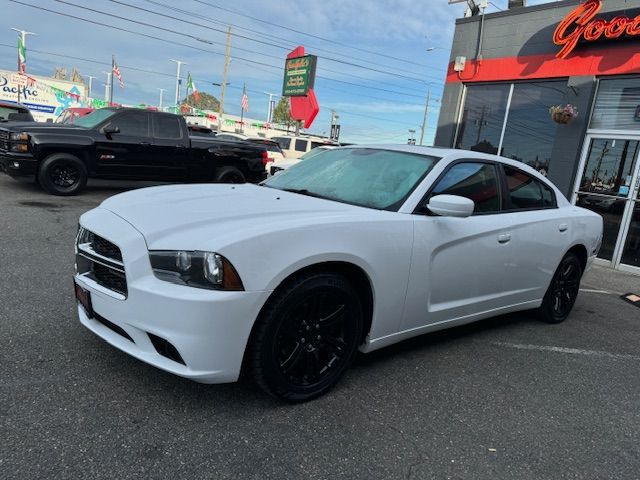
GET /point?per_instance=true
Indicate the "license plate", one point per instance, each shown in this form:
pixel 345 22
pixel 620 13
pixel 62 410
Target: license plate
pixel 84 298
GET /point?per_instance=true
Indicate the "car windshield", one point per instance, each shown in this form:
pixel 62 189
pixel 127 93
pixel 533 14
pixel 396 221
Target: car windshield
pixel 369 177
pixel 6 111
pixel 94 118
pixel 312 153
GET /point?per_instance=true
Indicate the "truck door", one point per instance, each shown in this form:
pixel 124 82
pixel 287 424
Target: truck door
pixel 127 153
pixel 170 147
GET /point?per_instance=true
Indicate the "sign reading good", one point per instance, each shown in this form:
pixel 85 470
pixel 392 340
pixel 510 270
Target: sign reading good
pixel 581 25
pixel 299 75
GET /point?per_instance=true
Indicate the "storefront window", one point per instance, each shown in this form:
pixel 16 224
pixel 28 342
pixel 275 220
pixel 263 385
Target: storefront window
pixel 483 117
pixel 617 105
pixel 530 133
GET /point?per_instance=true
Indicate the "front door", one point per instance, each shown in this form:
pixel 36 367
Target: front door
pixel 609 186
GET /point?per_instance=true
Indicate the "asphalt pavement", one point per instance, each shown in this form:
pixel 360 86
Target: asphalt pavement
pixel 506 398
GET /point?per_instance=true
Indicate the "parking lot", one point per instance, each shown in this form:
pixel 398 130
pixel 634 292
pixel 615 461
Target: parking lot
pixel 508 398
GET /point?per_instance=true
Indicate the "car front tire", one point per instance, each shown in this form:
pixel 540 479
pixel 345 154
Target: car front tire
pixel 62 174
pixel 307 337
pixel 563 290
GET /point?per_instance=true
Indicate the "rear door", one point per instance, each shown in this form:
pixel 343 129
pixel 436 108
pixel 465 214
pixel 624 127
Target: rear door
pixel 459 264
pixel 540 233
pixel 169 148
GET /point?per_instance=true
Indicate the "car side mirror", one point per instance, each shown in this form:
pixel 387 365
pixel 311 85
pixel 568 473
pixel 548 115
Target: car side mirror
pixel 111 129
pixel 451 206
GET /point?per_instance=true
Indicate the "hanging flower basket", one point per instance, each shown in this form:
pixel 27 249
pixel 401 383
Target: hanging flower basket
pixel 563 114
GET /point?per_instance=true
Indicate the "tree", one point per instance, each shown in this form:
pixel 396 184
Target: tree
pixel 205 102
pixel 282 113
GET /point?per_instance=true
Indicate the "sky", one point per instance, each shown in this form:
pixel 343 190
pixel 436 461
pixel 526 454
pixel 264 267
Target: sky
pixel 403 46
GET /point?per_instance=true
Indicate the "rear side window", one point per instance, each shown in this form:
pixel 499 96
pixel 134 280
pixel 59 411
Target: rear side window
pixel 167 127
pixel 272 147
pixel 527 192
pixel 476 181
pixel 283 142
pixel 301 145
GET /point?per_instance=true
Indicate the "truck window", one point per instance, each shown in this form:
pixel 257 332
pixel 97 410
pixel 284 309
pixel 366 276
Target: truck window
pixel 301 145
pixel 132 123
pixel 284 142
pixel 167 127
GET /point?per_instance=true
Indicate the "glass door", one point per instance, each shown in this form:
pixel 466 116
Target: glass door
pixel 609 186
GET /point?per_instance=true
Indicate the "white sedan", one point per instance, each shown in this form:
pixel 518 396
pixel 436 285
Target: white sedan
pixel 366 246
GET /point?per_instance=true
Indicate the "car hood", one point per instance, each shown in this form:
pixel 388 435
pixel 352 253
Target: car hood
pixel 192 216
pixel 38 127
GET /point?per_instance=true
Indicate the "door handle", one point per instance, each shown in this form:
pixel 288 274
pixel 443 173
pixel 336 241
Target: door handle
pixel 145 144
pixel 181 146
pixel 504 238
pixel 563 227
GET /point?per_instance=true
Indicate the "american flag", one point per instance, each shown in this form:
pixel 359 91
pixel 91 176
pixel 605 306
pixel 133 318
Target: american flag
pixel 245 101
pixel 118 74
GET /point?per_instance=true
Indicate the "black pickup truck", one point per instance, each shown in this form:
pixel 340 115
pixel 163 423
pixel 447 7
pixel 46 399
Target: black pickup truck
pixel 123 144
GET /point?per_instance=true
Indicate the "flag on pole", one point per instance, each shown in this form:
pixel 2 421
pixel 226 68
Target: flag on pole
pixel 118 74
pixel 245 99
pixel 22 55
pixel 192 86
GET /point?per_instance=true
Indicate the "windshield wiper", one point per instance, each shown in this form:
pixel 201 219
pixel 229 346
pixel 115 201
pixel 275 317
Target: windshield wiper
pixel 304 191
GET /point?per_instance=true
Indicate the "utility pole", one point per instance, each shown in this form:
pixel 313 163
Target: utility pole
pixel 162 90
pixel 179 63
pixel 224 78
pixel 22 49
pixel 90 77
pixel 425 118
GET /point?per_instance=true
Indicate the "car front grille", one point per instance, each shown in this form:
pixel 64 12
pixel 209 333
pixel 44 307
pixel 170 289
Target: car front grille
pixel 100 260
pixel 4 140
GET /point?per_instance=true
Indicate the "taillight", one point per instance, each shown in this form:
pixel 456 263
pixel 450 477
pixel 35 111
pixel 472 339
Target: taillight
pixel 265 158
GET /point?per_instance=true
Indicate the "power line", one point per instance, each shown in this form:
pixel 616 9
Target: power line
pixel 218 22
pixel 236 12
pixel 271 35
pixel 344 62
pixel 199 48
pixel 171 75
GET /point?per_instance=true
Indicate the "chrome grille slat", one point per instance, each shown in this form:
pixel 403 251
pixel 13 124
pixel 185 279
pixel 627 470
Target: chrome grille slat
pixel 4 140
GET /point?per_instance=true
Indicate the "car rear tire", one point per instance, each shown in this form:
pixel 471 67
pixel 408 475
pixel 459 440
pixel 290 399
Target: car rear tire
pixel 230 175
pixel 62 174
pixel 563 290
pixel 306 338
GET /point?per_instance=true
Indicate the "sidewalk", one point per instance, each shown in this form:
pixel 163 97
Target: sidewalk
pixel 615 281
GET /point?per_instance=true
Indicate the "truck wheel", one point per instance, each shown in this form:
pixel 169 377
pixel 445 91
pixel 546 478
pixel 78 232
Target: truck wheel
pixel 62 174
pixel 230 175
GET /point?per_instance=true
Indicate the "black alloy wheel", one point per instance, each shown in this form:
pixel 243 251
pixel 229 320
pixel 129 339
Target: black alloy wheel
pixel 230 175
pixel 563 290
pixel 307 338
pixel 62 174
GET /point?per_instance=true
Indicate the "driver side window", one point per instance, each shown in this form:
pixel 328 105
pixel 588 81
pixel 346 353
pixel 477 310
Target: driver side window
pixel 473 180
pixel 134 124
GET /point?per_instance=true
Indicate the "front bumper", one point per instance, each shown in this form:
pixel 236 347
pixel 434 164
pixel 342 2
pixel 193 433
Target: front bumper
pixel 18 164
pixel 208 328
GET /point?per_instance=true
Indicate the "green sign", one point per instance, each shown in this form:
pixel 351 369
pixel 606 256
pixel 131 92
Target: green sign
pixel 299 75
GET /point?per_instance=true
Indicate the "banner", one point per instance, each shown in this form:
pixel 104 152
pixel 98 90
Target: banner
pixel 45 97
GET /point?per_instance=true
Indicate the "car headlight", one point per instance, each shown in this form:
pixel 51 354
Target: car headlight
pixel 195 269
pixel 19 148
pixel 19 137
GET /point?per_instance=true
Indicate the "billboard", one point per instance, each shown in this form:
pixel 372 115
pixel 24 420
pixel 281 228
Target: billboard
pixel 299 75
pixel 45 97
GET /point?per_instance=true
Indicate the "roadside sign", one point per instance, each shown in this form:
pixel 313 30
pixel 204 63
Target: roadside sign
pixel 299 75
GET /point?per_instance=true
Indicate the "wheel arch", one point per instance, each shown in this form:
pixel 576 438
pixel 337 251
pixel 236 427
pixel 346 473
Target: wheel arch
pixel 355 274
pixel 581 252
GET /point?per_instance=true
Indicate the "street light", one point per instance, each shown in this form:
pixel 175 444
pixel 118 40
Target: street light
pixel 90 77
pixel 162 90
pixel 270 106
pixel 179 63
